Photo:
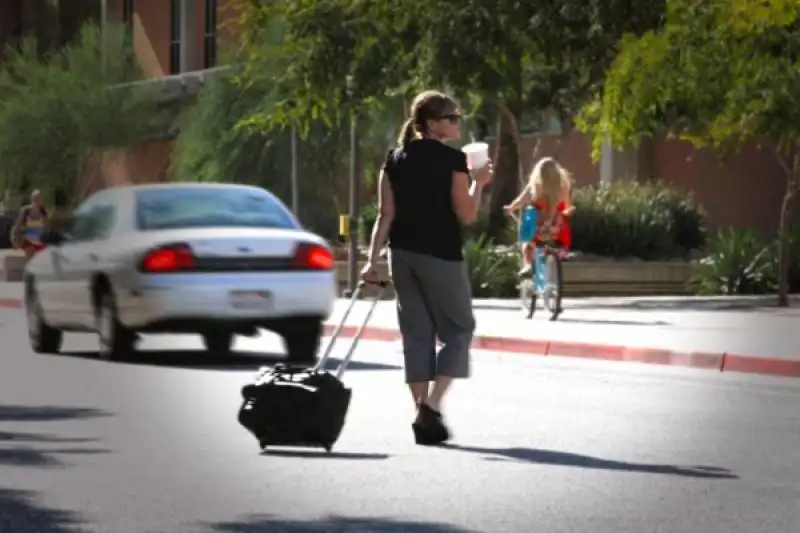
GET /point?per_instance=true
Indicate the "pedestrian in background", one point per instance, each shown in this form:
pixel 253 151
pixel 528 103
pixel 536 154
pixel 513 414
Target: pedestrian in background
pixel 30 225
pixel 426 193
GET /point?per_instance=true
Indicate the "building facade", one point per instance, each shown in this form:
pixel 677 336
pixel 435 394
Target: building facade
pixel 181 40
pixel 177 42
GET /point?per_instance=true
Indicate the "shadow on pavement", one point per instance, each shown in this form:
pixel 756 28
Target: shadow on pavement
pixel 46 413
pixel 321 454
pixel 200 360
pixel 31 457
pixel 549 457
pixel 19 511
pixel 41 438
pixel 334 524
pixel 17 449
pixel 569 320
pixel 756 305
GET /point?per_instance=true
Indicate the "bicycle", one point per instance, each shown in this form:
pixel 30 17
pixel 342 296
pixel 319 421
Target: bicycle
pixel 531 288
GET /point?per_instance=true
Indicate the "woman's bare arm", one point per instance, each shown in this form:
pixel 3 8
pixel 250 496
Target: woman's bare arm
pixel 523 197
pixel 466 197
pixel 383 222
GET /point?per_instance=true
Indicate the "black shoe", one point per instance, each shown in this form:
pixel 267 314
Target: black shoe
pixel 429 428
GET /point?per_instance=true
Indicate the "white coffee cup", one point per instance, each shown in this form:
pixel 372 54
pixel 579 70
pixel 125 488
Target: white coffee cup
pixel 477 154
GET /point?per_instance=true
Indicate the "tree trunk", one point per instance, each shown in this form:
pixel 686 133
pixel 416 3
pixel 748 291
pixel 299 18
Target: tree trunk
pixel 785 231
pixel 508 170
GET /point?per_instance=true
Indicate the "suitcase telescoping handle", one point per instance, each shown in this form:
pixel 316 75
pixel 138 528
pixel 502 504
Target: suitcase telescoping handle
pixel 346 360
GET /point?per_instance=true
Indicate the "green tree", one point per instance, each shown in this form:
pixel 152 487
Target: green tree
pixel 335 58
pixel 210 147
pixel 60 111
pixel 719 74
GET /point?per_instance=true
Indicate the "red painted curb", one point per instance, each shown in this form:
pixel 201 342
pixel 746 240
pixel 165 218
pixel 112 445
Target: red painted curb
pixel 756 365
pixel 8 303
pixel 720 362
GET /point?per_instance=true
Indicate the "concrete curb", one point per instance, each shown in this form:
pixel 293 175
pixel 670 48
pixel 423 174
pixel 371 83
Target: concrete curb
pixel 718 362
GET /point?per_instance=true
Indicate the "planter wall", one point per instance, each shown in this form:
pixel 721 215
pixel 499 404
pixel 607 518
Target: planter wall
pixel 580 278
pixel 593 278
pixel 627 278
pixel 12 265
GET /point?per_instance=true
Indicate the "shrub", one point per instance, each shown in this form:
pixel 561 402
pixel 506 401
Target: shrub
pixel 210 147
pixel 369 213
pixel 492 270
pixel 61 111
pixel 649 221
pixel 481 228
pixel 738 263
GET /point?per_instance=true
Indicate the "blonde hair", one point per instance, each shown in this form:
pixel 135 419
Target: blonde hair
pixel 551 182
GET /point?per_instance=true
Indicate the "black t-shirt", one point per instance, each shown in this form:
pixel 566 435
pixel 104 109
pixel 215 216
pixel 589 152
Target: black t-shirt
pixel 421 176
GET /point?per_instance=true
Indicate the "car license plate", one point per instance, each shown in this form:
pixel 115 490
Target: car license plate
pixel 251 299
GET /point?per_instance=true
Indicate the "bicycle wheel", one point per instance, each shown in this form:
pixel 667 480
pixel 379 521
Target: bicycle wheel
pixel 555 289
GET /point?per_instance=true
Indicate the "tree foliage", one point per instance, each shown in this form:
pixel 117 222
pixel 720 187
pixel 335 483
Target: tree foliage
pixel 336 57
pixel 211 148
pixel 58 111
pixel 719 73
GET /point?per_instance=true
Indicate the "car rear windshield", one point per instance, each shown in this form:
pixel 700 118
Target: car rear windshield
pixel 209 207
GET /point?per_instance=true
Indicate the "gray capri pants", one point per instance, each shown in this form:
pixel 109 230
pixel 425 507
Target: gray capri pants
pixel 433 300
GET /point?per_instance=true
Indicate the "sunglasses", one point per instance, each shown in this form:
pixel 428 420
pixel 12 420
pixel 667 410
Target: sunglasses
pixel 453 118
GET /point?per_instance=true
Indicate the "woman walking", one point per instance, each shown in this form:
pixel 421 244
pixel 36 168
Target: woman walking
pixel 425 196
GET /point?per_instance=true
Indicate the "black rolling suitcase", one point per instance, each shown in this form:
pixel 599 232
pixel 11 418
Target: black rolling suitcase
pixel 293 406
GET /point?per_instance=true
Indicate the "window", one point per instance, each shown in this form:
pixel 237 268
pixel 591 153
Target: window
pixel 210 35
pixel 209 207
pixel 127 13
pixel 95 224
pixel 175 39
pixel 94 219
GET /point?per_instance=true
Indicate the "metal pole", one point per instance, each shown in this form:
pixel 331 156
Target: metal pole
pixel 103 31
pixel 352 256
pixel 295 187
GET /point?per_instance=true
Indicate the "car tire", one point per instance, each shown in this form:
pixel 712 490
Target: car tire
pixel 301 338
pixel 218 342
pixel 42 337
pixel 116 341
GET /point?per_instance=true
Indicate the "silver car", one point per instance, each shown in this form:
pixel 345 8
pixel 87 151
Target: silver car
pixel 212 259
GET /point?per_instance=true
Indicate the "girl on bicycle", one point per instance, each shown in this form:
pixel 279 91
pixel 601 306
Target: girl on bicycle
pixel 549 191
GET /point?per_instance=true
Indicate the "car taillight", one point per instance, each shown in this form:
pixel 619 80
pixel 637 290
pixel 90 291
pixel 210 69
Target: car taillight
pixel 170 258
pixel 313 257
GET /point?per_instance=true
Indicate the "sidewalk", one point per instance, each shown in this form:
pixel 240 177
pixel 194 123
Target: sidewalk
pixel 721 334
pixel 741 334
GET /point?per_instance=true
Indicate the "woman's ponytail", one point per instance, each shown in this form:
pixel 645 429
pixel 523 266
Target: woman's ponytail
pixel 408 133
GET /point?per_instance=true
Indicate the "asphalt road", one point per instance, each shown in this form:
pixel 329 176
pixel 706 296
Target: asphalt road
pixel 540 445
